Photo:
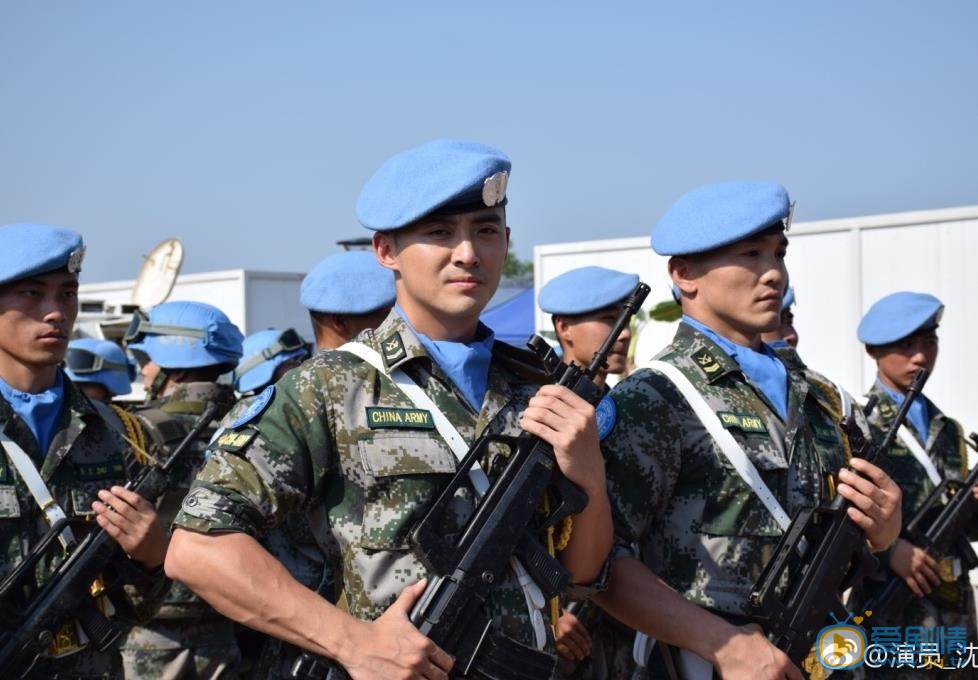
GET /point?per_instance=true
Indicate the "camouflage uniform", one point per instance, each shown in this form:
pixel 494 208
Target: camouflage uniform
pixel 340 435
pixel 85 455
pixel 295 544
pixel 952 603
pixel 186 637
pixel 679 505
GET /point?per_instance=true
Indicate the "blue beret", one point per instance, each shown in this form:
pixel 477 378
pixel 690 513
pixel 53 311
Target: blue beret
pixel 263 352
pixel 719 214
pixel 440 174
pixel 115 372
pixel 584 290
pixel 898 315
pixel 183 334
pixel 34 249
pixel 348 283
pixel 788 299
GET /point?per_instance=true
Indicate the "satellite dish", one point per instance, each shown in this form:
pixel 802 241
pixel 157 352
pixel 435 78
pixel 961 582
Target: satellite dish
pixel 158 274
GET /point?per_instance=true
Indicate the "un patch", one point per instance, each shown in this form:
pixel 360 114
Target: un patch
pixel 606 414
pixel 255 407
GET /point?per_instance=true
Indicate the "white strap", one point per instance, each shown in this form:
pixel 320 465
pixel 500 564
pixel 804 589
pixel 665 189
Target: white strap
pixel 731 449
pixel 531 591
pixel 912 443
pixel 844 399
pixel 641 649
pixel 32 478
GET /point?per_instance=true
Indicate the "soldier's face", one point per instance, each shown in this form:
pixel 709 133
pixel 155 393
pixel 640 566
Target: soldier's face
pixel 897 362
pixel 737 289
pixel 36 317
pixel 582 335
pixel 446 267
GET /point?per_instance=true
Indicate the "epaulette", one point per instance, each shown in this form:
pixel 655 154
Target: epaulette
pixel 521 362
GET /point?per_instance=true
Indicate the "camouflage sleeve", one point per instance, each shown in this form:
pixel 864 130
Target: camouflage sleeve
pixel 261 470
pixel 642 454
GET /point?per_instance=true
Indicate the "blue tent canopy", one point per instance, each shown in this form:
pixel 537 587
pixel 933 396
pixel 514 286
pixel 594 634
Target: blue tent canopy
pixel 512 320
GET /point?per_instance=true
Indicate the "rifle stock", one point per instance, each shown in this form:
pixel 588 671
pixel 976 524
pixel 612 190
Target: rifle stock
pixel 66 593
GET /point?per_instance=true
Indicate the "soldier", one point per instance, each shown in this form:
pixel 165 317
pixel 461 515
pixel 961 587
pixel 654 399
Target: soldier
pixel 346 293
pixel 692 536
pixel 57 455
pixel 785 334
pixel 900 334
pixel 184 347
pixel 100 369
pixel 584 304
pixel 339 434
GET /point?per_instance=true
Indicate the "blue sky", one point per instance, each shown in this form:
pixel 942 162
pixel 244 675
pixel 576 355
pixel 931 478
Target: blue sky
pixel 248 128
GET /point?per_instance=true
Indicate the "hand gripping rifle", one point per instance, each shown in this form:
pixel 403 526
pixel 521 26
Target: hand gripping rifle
pixel 938 528
pixel 822 554
pixel 451 611
pixel 27 629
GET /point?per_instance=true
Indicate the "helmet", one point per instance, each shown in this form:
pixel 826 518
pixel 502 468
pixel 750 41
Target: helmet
pixel 185 335
pixel 90 360
pixel 264 352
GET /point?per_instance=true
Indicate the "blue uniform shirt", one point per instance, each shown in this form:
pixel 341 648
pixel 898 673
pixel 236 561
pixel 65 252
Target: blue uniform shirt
pixel 40 411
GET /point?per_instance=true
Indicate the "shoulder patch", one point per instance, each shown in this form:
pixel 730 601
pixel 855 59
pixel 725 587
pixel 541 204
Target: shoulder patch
pixel 707 362
pixel 255 408
pixel 233 441
pixel 392 348
pixel 606 414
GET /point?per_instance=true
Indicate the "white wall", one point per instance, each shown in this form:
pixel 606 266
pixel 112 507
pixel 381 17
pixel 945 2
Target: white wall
pixel 252 300
pixel 838 268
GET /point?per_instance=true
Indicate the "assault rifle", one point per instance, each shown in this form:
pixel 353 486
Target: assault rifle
pixel 27 629
pixel 451 611
pixel 938 528
pixel 822 554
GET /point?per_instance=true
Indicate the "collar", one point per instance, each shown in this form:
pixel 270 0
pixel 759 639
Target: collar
pixel 708 357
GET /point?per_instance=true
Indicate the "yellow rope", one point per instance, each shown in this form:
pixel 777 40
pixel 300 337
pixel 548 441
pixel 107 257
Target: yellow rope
pixel 134 435
pixel 553 547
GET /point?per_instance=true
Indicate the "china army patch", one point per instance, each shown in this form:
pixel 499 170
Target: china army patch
pixel 741 421
pixel 411 418
pixel 234 441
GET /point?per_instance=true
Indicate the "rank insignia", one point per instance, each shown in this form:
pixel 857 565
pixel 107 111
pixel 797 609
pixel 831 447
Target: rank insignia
pixel 707 362
pixel 393 349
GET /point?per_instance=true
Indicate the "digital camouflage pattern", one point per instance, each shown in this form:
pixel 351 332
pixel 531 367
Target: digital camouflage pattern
pixel 295 544
pixel 952 603
pixel 678 503
pixel 85 455
pixel 185 631
pixel 340 435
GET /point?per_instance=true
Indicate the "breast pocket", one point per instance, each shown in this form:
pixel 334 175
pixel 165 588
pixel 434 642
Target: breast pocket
pixel 737 510
pixel 405 471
